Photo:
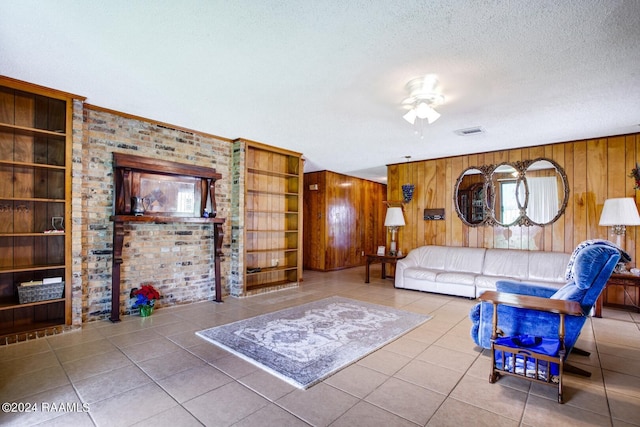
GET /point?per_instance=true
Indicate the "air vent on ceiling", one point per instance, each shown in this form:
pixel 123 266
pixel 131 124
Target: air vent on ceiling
pixel 469 131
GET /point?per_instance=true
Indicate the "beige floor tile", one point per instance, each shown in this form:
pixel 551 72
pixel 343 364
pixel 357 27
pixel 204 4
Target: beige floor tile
pixel 458 343
pixel 618 349
pixel 186 385
pixel 624 407
pixel 129 324
pixel 267 385
pixel 623 365
pixel 225 405
pixel 172 328
pixel 319 405
pixel 357 380
pixel 187 338
pixel 207 351
pixel 622 383
pixel 451 359
pixel 27 364
pixel 544 412
pixel 424 335
pixel 428 375
pixel 367 415
pixel 233 366
pixel 74 337
pixel 132 406
pixel 111 383
pixel 590 398
pixel 454 413
pixel 170 364
pixel 19 350
pixel 406 347
pixel 82 350
pixel 497 398
pixel 64 394
pixel 385 362
pixel 75 419
pixel 14 387
pixel 132 338
pixel 271 415
pixel 150 349
pixel 406 400
pixel 94 365
pixel 176 416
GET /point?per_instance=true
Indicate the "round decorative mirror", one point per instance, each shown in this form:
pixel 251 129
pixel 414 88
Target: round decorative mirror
pixel 471 201
pixel 548 194
pixel 509 194
pixel 531 192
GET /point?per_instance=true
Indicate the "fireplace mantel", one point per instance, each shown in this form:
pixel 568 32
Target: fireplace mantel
pixel 158 181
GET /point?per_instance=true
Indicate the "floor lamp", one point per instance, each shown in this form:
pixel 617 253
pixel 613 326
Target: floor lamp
pixel 619 213
pixel 393 220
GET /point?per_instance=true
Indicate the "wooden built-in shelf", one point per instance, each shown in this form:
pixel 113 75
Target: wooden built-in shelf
pixel 272 173
pixel 32 165
pixel 29 131
pixel 272 217
pixel 7 304
pixel 35 176
pixel 22 269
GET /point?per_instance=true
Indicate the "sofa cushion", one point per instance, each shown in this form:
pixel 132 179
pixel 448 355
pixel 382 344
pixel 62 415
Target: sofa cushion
pixel 547 266
pixel 488 283
pixel 506 263
pixel 433 257
pixel 456 277
pixel 421 273
pixel 466 260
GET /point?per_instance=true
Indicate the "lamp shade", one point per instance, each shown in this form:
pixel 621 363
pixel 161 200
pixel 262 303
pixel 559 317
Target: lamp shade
pixel 394 218
pixel 622 211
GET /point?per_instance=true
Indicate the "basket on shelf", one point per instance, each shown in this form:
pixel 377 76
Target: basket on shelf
pixel 40 292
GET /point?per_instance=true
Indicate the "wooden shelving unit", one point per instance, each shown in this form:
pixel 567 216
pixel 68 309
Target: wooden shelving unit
pixel 35 187
pixel 273 218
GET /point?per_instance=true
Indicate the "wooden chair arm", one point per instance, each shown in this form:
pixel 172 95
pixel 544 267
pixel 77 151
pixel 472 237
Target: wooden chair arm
pixel 534 303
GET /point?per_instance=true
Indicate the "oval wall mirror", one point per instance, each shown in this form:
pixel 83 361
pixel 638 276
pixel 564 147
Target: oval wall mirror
pixel 471 201
pixel 531 192
pixel 509 194
pixel 548 192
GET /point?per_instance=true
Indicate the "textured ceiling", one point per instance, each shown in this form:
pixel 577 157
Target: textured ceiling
pixel 326 78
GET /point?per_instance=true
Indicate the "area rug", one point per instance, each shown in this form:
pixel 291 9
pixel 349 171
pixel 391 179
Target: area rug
pixel 305 344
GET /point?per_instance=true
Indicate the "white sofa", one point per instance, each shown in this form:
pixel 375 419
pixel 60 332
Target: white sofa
pixel 468 272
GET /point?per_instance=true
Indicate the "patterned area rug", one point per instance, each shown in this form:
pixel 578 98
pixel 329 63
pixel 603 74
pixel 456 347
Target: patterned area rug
pixel 305 344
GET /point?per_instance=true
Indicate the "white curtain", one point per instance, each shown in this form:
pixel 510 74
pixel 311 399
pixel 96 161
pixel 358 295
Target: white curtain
pixel 543 199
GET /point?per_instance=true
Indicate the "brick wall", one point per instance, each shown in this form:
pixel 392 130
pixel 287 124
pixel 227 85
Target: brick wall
pixel 236 285
pixel 175 258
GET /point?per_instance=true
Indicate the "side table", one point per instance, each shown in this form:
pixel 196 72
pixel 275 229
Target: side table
pixel 631 288
pixel 382 259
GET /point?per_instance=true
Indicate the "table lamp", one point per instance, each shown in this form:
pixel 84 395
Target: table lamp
pixel 618 213
pixel 393 220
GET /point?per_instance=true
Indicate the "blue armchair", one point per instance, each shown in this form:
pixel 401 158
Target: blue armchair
pixel 589 269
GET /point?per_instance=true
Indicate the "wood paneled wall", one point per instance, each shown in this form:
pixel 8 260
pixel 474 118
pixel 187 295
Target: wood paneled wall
pixel 343 219
pixel 597 169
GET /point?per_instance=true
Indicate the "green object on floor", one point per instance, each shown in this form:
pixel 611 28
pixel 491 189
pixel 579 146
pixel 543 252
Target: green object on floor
pixel 146 310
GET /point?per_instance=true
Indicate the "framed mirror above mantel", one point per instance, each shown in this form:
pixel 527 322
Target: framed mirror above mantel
pixel 522 193
pixel 155 191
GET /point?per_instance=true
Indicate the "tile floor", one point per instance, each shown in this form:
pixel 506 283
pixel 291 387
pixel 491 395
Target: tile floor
pixel 156 371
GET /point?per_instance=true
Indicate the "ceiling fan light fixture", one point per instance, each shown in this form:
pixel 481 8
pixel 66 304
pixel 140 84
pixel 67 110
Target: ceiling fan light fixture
pixel 422 98
pixel 424 111
pixel 410 116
